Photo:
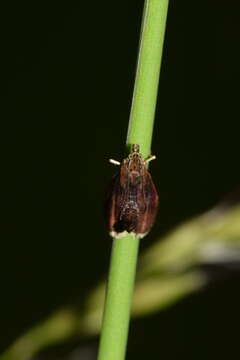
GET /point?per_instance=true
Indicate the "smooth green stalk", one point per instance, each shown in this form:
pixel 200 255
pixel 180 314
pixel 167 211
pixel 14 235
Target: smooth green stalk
pixel 119 298
pixel 125 250
pixel 147 76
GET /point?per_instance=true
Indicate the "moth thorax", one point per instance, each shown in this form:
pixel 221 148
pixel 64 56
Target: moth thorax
pixel 135 164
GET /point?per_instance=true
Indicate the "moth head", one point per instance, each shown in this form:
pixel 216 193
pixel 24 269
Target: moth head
pixel 134 161
pixel 135 148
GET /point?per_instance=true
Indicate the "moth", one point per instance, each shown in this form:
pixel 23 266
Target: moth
pixel 132 201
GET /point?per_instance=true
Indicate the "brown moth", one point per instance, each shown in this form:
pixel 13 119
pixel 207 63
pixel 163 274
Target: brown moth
pixel 133 200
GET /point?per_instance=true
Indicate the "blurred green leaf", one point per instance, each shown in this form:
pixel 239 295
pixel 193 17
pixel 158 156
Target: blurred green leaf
pixel 167 271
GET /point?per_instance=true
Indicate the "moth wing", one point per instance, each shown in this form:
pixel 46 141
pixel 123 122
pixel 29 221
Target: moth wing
pixel 149 209
pixel 113 201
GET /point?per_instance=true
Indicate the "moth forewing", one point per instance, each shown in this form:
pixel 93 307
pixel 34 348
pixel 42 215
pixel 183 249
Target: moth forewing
pixel 150 197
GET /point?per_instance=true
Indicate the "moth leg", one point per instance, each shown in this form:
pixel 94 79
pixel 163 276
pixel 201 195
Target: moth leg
pixel 152 157
pixel 115 162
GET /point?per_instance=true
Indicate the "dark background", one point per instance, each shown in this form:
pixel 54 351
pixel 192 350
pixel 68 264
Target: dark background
pixel 67 81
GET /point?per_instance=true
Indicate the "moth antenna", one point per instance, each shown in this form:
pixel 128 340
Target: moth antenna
pixel 115 162
pixel 153 157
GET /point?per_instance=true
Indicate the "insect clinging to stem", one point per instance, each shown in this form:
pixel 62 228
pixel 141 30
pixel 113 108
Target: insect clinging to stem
pixel 132 201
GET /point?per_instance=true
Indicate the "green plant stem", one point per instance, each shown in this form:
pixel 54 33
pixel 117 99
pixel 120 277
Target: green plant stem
pixel 119 298
pixel 147 76
pixel 125 250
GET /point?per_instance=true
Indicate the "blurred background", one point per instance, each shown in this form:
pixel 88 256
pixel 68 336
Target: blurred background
pixel 67 82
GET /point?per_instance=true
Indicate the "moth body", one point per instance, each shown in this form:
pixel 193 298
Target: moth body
pixel 133 200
